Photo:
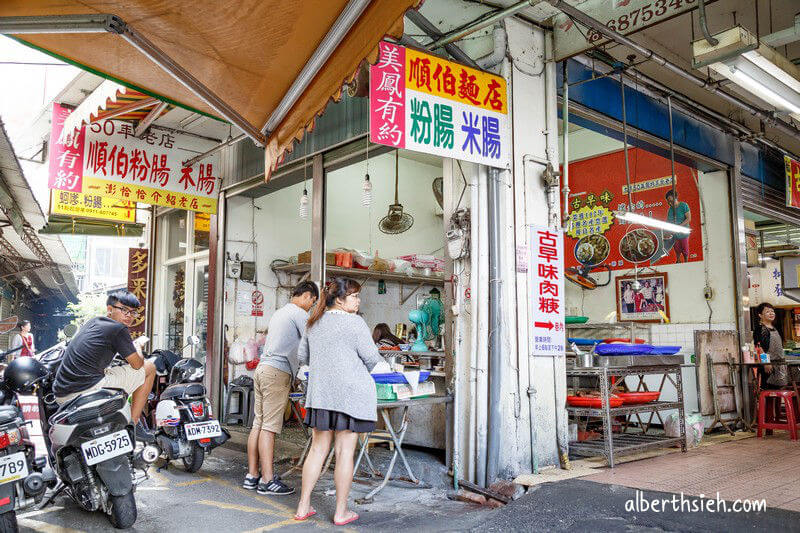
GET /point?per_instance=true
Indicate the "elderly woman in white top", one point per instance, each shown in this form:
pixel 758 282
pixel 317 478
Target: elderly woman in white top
pixel 341 401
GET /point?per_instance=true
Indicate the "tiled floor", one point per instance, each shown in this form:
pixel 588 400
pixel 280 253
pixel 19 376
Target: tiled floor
pixel 750 468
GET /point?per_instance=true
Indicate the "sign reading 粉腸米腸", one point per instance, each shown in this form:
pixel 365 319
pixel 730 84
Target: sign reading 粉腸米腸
pixel 105 158
pixel 792 181
pixel 546 283
pixel 76 204
pixel 423 103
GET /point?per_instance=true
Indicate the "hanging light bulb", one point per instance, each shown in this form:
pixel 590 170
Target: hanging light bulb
pixel 366 192
pixel 304 204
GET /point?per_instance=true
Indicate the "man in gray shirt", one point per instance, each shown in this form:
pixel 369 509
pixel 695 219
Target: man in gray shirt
pixel 272 383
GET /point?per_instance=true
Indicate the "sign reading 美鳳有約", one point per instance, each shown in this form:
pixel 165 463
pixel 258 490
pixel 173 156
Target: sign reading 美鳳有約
pixel 792 181
pixel 105 158
pixel 427 104
pixel 76 204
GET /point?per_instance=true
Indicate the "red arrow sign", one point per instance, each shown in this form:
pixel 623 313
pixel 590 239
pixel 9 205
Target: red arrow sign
pixel 548 325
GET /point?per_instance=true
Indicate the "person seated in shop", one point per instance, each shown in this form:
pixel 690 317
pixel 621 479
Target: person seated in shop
pixel 384 338
pixel 769 340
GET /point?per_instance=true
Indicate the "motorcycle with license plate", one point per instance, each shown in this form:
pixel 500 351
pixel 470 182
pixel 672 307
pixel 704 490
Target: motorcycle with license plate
pixel 90 439
pixel 182 418
pixel 24 478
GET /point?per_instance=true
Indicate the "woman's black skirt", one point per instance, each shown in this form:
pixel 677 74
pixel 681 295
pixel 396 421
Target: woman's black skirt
pixel 325 420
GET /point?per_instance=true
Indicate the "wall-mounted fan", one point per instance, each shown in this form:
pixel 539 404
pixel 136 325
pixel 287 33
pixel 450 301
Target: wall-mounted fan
pixel 396 220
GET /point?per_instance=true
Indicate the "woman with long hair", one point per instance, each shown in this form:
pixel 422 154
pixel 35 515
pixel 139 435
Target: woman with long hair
pixel 383 337
pixel 24 339
pixel 341 401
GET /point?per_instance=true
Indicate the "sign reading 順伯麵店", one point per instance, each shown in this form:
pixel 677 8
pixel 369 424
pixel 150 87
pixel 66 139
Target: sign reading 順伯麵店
pixel 105 158
pixel 77 204
pixel 792 181
pixel 423 103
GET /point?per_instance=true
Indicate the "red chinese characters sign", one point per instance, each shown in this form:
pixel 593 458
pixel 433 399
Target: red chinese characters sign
pixel 105 158
pixel 792 181
pixel 598 188
pixel 137 284
pixel 546 286
pixel 66 154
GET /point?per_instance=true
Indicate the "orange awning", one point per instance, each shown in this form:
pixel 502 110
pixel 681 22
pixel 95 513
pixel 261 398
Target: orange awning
pixel 246 52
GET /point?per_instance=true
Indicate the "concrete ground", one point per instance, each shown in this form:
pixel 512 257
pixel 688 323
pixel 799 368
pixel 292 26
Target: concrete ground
pixel 213 499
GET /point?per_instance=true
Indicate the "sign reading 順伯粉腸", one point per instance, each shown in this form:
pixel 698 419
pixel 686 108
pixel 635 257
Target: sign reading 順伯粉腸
pixel 423 103
pixel 105 158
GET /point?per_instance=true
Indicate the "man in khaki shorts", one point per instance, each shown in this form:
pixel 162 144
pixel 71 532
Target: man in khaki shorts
pixel 272 384
pixel 87 359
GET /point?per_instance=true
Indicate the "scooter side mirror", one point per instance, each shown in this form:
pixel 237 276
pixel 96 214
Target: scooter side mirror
pixel 70 330
pixel 192 340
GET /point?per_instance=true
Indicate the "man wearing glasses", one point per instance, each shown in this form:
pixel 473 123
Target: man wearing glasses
pixel 87 359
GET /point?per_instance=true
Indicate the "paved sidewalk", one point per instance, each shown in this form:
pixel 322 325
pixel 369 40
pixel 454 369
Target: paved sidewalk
pixel 751 468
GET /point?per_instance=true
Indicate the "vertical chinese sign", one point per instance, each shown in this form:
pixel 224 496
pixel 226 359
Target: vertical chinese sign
pixel 424 103
pixel 66 154
pixel 137 284
pixel 546 283
pixel 105 158
pixel 792 181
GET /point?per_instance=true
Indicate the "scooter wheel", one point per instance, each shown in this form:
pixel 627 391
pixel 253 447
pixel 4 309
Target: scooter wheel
pixel 8 522
pixel 194 462
pixel 123 510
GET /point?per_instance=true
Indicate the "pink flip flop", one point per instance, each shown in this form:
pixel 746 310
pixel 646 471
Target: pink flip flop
pixel 345 522
pixel 306 516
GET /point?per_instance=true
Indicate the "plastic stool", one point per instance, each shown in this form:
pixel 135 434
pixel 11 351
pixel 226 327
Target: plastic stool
pixel 242 415
pixel 769 404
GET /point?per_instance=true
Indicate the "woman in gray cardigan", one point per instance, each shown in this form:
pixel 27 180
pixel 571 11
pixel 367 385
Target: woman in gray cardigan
pixel 341 401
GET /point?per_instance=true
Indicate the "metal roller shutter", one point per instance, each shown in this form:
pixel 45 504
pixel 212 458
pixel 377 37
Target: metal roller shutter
pixel 769 202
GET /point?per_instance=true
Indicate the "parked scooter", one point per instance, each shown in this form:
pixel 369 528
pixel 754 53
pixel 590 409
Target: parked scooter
pixel 182 418
pixel 24 478
pixel 90 439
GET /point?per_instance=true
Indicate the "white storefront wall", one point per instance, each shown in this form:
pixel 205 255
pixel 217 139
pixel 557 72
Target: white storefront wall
pixel 688 308
pixel 269 228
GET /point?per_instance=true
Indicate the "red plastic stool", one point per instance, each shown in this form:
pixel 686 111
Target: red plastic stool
pixel 769 404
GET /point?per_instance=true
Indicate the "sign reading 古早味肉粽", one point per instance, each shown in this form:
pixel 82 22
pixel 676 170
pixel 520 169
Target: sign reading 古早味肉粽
pixel 105 158
pixel 423 103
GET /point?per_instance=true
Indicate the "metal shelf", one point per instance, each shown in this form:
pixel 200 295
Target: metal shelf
pixel 609 325
pixel 620 371
pixel 615 443
pixel 304 268
pixel 624 410
pixel 622 443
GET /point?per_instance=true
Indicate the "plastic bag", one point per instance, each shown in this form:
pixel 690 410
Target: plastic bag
pixel 250 350
pixel 236 354
pixel 695 427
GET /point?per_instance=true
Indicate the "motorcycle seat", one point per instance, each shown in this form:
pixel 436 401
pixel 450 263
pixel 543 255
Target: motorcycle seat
pixel 93 396
pixel 9 413
pixel 184 390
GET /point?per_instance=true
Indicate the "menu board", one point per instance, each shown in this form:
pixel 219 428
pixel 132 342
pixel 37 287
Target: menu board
pixel 598 189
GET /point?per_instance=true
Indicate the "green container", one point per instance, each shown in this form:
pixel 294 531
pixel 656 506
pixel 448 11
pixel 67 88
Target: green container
pixel 385 391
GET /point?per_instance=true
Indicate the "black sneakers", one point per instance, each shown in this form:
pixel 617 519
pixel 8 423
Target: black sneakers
pixel 250 482
pixel 275 487
pixel 143 434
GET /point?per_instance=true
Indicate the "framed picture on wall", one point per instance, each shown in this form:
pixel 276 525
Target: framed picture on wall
pixel 645 304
